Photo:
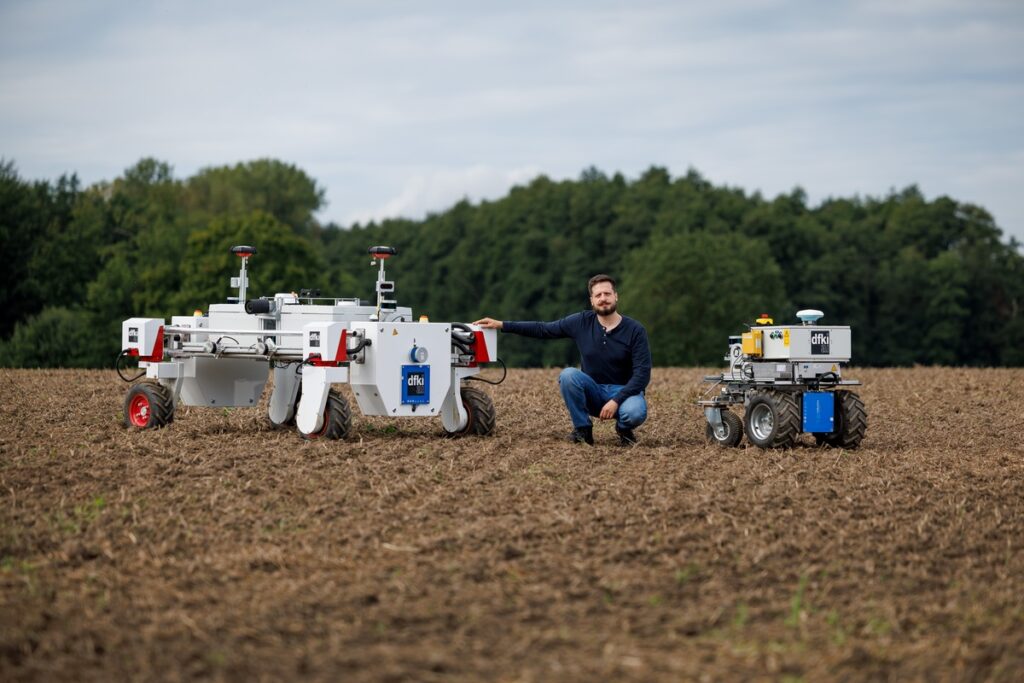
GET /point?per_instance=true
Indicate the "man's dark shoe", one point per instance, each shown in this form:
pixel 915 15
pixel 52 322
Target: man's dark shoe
pixel 626 436
pixel 582 435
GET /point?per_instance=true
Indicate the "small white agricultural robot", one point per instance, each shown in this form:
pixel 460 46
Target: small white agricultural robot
pixel 396 367
pixel 788 379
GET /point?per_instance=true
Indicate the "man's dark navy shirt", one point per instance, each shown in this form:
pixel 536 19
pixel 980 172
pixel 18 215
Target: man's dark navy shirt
pixel 621 356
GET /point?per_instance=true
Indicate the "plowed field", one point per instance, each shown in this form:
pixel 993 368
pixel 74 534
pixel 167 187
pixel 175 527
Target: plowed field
pixel 220 549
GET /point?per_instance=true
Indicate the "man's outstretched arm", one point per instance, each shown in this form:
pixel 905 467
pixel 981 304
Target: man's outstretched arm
pixel 556 329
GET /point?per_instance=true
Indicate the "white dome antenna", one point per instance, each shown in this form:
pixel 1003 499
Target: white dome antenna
pixel 809 316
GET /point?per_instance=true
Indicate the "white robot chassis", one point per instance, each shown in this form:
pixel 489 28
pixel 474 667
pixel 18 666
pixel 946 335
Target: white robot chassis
pixel 395 367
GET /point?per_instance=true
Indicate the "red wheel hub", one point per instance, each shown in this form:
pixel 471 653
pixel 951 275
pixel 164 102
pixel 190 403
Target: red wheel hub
pixel 138 410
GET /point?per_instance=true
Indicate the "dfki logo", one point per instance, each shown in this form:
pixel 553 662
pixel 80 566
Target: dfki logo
pixel 820 340
pixel 415 384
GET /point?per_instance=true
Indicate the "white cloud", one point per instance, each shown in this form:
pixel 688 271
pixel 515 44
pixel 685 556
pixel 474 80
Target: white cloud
pixel 434 190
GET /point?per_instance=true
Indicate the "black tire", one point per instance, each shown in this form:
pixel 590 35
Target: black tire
pixel 148 405
pixel 851 422
pixel 772 419
pixel 480 413
pixel 337 419
pixel 733 430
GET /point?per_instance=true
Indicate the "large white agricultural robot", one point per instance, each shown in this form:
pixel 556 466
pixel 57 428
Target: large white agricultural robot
pixel 788 379
pixel 395 367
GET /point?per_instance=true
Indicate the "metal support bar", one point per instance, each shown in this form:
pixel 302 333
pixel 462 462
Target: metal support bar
pixel 172 329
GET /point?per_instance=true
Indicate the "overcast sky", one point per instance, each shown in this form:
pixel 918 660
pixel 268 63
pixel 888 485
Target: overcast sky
pixel 400 108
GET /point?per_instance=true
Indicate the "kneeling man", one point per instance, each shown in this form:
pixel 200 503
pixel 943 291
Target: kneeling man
pixel 616 362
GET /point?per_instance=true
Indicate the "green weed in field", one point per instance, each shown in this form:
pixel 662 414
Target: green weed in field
pixel 11 565
pixel 687 573
pixel 877 626
pixel 796 603
pixel 739 619
pixel 82 516
pixel 838 633
pixel 24 570
pixel 216 658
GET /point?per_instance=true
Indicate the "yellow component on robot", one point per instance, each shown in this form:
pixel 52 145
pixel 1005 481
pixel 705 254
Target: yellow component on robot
pixel 764 320
pixel 752 343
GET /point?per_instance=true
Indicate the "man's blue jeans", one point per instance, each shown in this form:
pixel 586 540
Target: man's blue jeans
pixel 585 397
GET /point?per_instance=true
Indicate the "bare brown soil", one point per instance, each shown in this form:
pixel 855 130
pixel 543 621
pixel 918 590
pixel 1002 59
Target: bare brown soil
pixel 220 549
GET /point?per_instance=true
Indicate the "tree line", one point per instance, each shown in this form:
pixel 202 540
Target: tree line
pixel 919 281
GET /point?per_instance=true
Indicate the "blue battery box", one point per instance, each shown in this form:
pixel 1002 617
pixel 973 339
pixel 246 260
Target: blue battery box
pixel 819 412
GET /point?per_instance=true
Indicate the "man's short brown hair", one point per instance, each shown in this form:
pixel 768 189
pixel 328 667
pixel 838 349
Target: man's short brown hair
pixel 600 278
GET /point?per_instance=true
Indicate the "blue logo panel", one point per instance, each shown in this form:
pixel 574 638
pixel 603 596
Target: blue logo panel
pixel 415 384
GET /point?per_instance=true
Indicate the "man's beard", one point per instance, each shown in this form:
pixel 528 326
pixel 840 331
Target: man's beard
pixel 607 309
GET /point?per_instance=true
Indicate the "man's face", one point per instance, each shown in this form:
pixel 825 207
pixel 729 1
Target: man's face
pixel 603 298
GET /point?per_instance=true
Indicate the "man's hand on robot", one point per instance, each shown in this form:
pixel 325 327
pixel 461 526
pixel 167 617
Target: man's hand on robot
pixel 489 323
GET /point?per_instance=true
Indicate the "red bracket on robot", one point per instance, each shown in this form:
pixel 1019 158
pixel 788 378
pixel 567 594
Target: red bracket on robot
pixel 340 356
pixel 157 354
pixel 480 354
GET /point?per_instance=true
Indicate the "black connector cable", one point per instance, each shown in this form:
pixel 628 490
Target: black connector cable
pixel 362 344
pixel 827 379
pixel 463 338
pixel 504 374
pixel 462 346
pixel 117 366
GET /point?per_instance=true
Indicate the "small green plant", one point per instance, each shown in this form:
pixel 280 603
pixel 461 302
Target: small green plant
pixel 91 510
pixel 687 573
pixel 216 658
pixel 878 626
pixel 24 570
pixel 81 516
pixel 796 603
pixel 739 619
pixel 838 632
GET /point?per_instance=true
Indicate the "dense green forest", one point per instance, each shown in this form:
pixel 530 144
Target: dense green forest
pixel 929 282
